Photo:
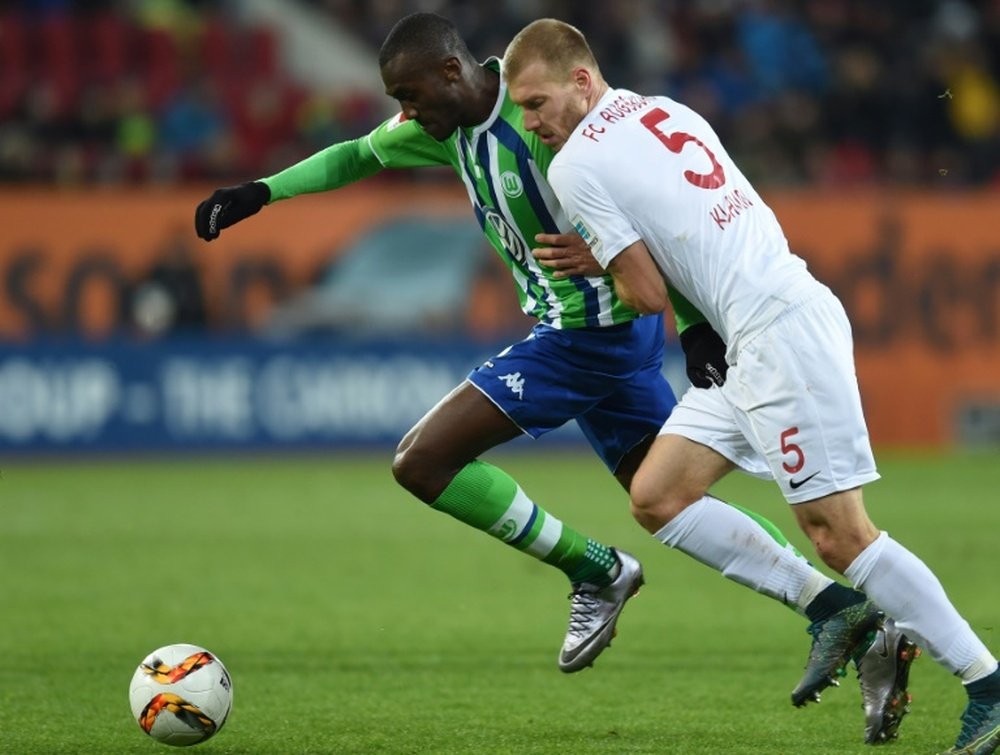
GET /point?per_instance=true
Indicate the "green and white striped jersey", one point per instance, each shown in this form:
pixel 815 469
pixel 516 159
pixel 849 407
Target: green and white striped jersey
pixel 503 167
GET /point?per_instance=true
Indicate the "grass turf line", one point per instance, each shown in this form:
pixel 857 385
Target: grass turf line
pixel 354 620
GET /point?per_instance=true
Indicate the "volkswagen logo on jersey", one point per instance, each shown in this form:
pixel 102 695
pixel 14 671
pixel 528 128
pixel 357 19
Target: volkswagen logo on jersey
pixel 510 239
pixel 511 184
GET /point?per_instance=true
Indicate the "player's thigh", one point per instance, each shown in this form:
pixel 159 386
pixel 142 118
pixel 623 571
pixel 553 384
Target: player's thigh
pixel 796 399
pixel 459 428
pixel 676 472
pixel 704 416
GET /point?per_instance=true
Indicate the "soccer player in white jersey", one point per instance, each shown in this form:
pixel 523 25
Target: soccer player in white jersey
pixel 648 185
pixel 589 359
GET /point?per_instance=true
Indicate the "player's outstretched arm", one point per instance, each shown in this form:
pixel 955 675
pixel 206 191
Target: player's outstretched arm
pixel 393 144
pixel 228 206
pixel 330 168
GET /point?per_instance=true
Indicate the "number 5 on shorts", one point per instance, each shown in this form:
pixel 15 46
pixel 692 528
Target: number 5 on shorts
pixel 793 449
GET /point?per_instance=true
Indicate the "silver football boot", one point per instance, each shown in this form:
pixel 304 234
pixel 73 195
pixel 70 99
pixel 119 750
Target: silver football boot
pixel 883 673
pixel 594 612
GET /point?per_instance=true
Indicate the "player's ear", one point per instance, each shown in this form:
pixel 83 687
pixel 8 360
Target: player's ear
pixel 452 69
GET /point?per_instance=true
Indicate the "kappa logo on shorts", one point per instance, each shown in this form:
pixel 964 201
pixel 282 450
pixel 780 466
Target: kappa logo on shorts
pixel 796 484
pixel 515 382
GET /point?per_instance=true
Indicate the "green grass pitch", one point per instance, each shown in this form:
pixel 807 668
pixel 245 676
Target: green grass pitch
pixel 353 620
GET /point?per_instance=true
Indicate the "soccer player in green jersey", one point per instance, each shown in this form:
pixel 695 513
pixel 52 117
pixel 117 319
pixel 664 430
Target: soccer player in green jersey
pixel 590 358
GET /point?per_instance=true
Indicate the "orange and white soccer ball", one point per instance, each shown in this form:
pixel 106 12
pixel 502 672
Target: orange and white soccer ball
pixel 181 694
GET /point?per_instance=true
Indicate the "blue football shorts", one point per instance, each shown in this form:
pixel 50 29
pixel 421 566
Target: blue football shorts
pixel 607 379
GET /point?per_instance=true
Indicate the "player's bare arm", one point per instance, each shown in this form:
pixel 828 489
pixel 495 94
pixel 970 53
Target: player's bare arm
pixel 637 279
pixel 566 254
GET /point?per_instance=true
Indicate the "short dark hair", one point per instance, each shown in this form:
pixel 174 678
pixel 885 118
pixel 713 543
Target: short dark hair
pixel 425 36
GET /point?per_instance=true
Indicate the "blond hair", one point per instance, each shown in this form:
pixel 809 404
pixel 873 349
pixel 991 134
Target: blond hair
pixel 556 44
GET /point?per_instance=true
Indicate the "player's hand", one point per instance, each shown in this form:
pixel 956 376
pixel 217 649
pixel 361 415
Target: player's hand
pixel 566 254
pixel 229 206
pixel 705 354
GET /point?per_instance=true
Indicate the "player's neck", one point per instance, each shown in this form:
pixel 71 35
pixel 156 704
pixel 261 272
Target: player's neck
pixel 597 94
pixel 487 88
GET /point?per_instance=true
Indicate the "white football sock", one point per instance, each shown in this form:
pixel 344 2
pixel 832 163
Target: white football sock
pixel 734 544
pixel 901 585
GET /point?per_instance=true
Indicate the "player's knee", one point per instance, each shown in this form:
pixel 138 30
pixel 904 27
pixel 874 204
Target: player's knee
pixel 837 546
pixel 645 514
pixel 414 469
pixel 655 501
pixel 829 549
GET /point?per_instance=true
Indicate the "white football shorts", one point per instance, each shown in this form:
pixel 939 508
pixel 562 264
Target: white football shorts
pixel 706 417
pixel 793 398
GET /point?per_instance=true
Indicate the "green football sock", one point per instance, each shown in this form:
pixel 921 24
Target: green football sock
pixel 487 498
pixel 769 527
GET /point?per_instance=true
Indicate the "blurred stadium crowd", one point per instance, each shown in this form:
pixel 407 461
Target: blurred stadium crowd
pixel 804 92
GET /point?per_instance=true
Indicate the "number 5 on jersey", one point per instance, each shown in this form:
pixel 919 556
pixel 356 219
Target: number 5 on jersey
pixel 675 142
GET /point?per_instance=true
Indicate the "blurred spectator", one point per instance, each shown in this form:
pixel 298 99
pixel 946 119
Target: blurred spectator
pixel 780 50
pixel 135 134
pixel 169 298
pixel 264 120
pixel 194 134
pixel 841 92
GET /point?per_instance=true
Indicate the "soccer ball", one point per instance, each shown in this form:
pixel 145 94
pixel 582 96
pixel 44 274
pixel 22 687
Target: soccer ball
pixel 181 694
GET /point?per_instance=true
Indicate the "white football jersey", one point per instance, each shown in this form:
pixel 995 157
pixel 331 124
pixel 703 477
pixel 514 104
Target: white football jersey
pixel 651 168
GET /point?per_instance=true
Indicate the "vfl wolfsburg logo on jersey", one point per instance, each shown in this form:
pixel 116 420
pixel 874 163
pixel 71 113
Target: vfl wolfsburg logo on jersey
pixel 516 248
pixel 511 184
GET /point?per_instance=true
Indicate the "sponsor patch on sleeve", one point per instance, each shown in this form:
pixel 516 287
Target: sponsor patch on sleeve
pixel 587 234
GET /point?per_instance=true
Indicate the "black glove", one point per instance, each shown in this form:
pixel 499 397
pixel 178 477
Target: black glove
pixel 706 356
pixel 228 207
